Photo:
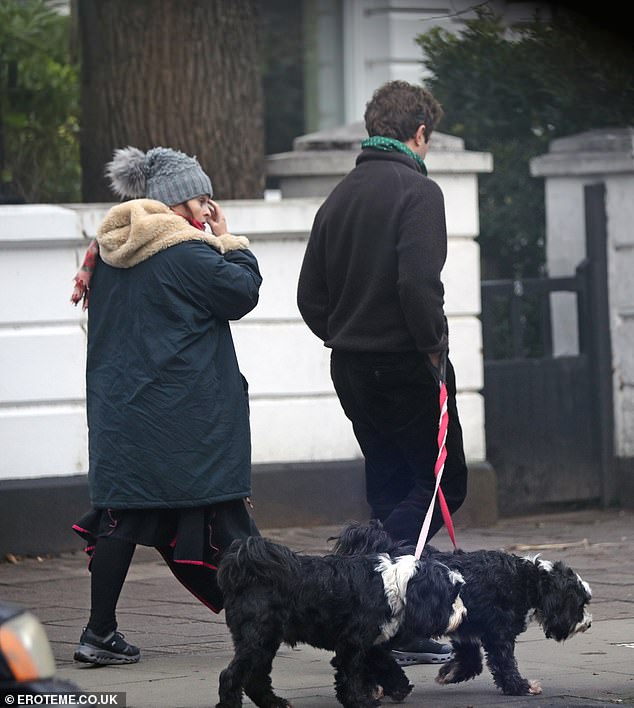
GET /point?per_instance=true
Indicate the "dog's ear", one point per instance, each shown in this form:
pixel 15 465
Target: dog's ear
pixel 430 597
pixel 362 539
pixel 350 541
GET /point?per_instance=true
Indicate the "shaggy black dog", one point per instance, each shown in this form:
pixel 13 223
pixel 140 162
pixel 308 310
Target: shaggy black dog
pixel 349 605
pixel 502 594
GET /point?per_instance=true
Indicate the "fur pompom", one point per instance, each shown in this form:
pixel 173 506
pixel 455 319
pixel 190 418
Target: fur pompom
pixel 127 173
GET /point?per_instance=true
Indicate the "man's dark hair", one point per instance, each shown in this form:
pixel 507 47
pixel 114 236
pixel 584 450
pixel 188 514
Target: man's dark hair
pixel 397 109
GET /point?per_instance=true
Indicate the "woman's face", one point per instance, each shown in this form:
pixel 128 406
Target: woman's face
pixel 199 208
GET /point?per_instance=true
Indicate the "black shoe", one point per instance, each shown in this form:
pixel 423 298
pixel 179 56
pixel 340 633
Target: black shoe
pixel 422 651
pixel 111 649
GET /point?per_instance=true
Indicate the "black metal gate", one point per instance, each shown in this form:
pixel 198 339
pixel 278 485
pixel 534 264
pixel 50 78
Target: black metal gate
pixel 548 418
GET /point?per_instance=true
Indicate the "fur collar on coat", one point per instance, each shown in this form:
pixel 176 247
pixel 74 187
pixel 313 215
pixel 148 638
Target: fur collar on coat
pixel 135 230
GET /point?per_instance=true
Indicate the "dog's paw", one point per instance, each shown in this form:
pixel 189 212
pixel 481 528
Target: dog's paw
pixel 401 693
pixel 378 693
pixel 535 688
pixel 448 673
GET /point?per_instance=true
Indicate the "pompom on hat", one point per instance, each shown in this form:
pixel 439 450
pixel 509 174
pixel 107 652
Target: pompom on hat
pixel 167 175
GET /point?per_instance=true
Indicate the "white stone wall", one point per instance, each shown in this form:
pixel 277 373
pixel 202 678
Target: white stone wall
pixel 42 419
pixel 295 415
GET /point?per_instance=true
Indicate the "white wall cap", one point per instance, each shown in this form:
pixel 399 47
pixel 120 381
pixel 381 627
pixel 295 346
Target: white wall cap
pixel 340 162
pixel 90 216
pixel 333 151
pixel 583 163
pixel 439 162
pixel 38 222
pixel 599 152
pixel 599 140
pixel 349 137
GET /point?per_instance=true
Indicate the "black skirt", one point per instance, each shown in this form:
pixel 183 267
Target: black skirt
pixel 191 540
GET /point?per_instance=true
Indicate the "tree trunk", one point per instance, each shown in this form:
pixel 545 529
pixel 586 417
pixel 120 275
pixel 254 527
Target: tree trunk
pixel 183 74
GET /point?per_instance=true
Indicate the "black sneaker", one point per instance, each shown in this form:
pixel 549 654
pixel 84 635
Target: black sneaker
pixel 111 649
pixel 422 651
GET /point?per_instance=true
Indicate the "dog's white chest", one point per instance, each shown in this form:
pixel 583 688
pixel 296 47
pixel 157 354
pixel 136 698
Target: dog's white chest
pixel 395 574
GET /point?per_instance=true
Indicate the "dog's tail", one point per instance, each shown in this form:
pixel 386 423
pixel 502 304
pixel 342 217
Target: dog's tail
pixel 257 561
pixel 363 539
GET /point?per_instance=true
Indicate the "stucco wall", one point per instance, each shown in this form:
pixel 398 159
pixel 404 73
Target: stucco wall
pixel 295 415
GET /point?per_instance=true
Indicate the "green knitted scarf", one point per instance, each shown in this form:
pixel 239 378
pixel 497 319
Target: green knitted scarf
pixel 392 145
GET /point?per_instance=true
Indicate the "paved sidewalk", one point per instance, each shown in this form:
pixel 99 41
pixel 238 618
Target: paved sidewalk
pixel 184 646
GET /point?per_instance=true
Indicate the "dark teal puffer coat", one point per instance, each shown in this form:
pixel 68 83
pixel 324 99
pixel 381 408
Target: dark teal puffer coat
pixel 168 411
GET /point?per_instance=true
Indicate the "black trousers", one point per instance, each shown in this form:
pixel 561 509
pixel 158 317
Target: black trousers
pixel 392 400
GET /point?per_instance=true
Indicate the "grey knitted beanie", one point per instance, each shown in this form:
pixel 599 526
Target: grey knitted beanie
pixel 167 175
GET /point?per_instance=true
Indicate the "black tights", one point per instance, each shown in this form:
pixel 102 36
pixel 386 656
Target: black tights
pixel 109 567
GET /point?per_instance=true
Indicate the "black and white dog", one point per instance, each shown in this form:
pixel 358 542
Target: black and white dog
pixel 502 593
pixel 352 605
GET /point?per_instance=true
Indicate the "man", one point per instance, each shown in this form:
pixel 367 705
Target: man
pixel 370 288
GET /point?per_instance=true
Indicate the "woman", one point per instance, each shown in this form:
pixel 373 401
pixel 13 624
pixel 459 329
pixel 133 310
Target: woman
pixel 168 413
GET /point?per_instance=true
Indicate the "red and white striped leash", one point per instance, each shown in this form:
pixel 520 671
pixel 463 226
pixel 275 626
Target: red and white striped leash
pixel 439 468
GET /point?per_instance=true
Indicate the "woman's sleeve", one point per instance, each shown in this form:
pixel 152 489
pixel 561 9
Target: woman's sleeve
pixel 227 285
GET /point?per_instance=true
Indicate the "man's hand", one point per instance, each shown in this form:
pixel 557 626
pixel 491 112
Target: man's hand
pixel 435 360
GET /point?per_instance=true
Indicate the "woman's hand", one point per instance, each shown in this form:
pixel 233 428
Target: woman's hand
pixel 217 220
